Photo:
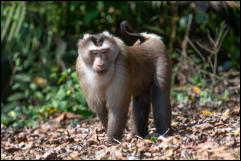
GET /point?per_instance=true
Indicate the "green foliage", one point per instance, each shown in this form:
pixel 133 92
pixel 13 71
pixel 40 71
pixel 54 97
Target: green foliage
pixel 67 96
pixel 205 97
pixel 74 121
pixel 181 96
pixel 208 96
pixel 201 17
pixel 198 80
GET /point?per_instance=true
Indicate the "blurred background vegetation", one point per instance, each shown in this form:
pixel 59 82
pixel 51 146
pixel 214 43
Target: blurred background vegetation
pixel 38 50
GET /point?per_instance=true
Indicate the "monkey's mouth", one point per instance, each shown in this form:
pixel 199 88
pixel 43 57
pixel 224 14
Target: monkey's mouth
pixel 101 71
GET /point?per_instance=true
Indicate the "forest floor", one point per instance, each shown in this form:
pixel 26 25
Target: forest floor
pixel 199 133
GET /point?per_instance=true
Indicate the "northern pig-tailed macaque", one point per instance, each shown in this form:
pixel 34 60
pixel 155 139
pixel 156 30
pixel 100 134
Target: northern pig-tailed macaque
pixel 112 74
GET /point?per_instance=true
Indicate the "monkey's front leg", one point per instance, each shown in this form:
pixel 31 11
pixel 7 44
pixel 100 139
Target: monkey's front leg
pixel 102 113
pixel 117 117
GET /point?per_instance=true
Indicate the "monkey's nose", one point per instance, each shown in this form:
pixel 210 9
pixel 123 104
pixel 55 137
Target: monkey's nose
pixel 101 69
pixel 100 66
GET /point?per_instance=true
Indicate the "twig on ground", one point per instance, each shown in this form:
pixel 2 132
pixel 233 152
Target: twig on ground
pixel 166 132
pixel 117 141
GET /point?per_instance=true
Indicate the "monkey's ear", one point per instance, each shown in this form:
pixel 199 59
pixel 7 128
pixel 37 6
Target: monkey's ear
pixel 80 41
pixel 106 33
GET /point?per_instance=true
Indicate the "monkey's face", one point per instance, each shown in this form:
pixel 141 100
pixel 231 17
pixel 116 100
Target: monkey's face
pixel 98 52
pixel 100 59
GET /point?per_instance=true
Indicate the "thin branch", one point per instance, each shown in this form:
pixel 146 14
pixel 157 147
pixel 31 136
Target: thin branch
pixel 185 41
pixel 210 62
pixel 62 45
pixel 194 47
pixel 224 35
pixel 204 47
pixel 213 76
pixel 174 8
pixel 219 35
pixel 210 38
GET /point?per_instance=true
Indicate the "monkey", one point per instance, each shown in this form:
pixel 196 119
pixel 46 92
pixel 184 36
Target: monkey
pixel 112 74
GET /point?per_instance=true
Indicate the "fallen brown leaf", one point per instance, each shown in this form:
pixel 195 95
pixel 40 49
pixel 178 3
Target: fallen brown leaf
pixel 237 132
pixel 205 126
pixel 169 152
pixel 197 90
pixel 226 114
pixel 67 115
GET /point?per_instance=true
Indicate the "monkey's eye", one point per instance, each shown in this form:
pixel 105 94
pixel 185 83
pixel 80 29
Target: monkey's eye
pixel 94 52
pixel 105 51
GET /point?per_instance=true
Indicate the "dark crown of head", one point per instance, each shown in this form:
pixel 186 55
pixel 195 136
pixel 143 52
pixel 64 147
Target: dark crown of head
pixel 98 39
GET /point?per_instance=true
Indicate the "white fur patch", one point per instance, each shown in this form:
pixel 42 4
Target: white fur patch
pixel 90 75
pixel 93 80
pixel 86 36
pixel 106 33
pixel 151 35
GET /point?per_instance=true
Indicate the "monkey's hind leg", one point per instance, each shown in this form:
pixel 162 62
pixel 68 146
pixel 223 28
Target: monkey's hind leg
pixel 161 107
pixel 140 113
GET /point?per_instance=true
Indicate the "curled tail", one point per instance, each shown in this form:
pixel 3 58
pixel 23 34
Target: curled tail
pixel 125 24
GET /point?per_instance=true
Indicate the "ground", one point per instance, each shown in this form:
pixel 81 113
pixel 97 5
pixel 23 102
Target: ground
pixel 199 133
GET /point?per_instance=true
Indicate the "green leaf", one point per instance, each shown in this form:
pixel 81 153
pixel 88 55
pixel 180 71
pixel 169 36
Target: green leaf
pixel 33 86
pixel 225 95
pixel 16 86
pixel 90 16
pixel 38 95
pixel 153 138
pixel 15 97
pixel 100 5
pixel 4 119
pixel 201 17
pixel 22 78
pixel 62 77
pixel 54 69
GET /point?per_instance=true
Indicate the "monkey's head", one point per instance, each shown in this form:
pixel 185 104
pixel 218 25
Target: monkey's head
pixel 99 52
